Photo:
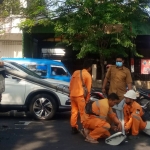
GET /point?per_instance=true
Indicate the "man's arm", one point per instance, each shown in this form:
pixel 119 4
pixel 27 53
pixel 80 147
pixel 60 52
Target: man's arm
pixel 1 63
pixel 107 76
pixel 118 123
pixel 129 86
pixel 113 117
pixel 104 85
pixel 88 84
pixel 129 80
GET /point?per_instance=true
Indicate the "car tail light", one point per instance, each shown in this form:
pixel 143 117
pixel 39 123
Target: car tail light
pixel 148 95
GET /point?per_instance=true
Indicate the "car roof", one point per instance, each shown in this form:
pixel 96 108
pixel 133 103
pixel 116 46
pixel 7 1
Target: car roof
pixel 41 61
pixel 49 80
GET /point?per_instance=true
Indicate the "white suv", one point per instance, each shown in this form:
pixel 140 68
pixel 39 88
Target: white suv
pixel 33 95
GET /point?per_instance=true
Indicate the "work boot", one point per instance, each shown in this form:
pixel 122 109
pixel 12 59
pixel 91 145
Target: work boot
pixel 133 137
pixel 91 140
pixel 74 130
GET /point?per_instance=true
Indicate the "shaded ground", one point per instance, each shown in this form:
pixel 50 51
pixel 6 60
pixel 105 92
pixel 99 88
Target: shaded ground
pixel 54 134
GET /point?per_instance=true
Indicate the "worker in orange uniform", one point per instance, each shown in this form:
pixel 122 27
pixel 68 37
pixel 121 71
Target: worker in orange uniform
pixel 78 100
pixel 96 126
pixel 132 115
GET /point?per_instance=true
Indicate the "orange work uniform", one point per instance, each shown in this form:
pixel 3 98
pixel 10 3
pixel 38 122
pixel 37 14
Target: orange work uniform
pixel 97 124
pixel 77 94
pixel 119 78
pixel 132 118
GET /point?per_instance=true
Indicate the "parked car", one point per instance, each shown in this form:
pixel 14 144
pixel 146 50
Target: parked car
pixel 44 67
pixel 26 91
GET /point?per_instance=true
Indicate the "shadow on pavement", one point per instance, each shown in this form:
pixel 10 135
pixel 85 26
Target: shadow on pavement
pixel 54 134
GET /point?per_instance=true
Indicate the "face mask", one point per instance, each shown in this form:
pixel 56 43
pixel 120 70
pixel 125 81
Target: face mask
pixel 118 64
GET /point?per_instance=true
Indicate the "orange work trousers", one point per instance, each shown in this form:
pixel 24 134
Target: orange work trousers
pixel 77 106
pixel 98 128
pixel 135 124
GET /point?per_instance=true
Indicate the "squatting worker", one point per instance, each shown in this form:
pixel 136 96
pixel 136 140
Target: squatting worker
pixel 119 78
pixel 77 93
pixel 96 126
pixel 132 115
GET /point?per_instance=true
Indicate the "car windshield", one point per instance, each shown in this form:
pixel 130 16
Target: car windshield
pixel 29 72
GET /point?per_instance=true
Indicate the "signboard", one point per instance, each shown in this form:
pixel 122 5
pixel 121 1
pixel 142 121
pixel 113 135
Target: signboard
pixel 145 66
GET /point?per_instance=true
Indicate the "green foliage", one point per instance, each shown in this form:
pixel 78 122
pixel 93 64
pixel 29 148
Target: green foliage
pixel 35 13
pixel 83 25
pixel 9 7
pixel 90 26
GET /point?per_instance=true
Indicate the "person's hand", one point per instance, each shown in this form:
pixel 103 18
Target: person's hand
pixel 1 63
pixel 119 126
pixel 114 128
pixel 103 91
pixel 126 130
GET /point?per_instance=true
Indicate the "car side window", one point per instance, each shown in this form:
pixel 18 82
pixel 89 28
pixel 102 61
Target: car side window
pixel 39 69
pixel 56 70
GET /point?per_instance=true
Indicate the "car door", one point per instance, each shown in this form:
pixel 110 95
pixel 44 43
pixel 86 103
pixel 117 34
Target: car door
pixel 60 73
pixel 14 91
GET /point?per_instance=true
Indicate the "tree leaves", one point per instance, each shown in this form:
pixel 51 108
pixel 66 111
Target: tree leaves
pixel 95 26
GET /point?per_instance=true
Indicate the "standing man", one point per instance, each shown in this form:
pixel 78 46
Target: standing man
pixel 119 77
pixel 78 100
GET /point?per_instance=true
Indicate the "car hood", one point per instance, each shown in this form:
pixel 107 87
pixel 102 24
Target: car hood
pixel 52 81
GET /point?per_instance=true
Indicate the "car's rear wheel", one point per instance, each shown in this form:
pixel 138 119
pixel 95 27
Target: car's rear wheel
pixel 43 107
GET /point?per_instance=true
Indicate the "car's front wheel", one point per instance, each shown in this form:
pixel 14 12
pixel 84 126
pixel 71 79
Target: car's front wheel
pixel 43 106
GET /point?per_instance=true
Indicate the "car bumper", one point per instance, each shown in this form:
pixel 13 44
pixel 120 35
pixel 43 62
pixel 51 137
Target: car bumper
pixel 64 108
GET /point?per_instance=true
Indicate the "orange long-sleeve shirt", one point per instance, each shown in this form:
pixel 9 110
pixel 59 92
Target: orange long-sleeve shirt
pixel 76 88
pixel 135 108
pixel 102 109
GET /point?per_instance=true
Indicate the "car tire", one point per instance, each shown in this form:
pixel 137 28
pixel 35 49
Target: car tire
pixel 43 107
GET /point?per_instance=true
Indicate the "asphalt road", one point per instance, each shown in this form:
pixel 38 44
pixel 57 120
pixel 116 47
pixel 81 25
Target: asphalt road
pixel 53 135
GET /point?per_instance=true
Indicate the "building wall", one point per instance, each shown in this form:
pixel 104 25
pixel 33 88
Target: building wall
pixel 11 35
pixel 11 45
pixel 11 38
pixel 10 48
